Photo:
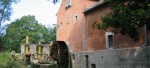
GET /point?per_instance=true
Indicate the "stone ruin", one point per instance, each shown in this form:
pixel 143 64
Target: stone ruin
pixel 39 51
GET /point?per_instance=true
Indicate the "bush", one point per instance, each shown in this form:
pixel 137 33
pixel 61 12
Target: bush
pixel 6 61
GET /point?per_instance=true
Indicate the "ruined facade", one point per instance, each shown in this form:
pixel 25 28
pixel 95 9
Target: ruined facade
pixel 88 45
pixel 33 48
pixel 39 51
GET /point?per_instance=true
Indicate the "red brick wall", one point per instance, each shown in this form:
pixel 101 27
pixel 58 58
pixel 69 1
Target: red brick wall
pixel 96 39
pixel 72 32
pixel 80 35
pixel 126 42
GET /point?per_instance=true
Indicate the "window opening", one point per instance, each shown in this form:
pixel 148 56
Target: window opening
pixel 76 18
pixel 87 60
pixel 93 66
pixel 109 39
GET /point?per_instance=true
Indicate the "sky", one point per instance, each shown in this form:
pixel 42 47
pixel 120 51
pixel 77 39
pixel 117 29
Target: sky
pixel 44 11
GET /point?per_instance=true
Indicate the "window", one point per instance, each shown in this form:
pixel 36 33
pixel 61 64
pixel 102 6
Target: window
pixel 109 39
pixel 68 4
pixel 61 24
pixel 39 49
pixel 76 18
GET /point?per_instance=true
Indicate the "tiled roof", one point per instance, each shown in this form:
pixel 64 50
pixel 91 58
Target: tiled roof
pixel 96 5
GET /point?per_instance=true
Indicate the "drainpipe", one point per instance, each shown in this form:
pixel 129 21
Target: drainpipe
pixel 84 27
pixel 145 32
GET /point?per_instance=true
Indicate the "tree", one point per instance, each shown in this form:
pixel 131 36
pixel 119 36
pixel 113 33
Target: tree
pixel 2 42
pixel 5 9
pixel 27 25
pixel 52 32
pixel 127 16
pixel 5 13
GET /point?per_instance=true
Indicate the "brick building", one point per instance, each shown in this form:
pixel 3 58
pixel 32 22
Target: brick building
pixel 71 23
pixel 75 18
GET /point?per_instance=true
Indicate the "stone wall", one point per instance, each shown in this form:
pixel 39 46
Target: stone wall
pixel 32 48
pixel 115 58
pixel 46 49
pixel 22 49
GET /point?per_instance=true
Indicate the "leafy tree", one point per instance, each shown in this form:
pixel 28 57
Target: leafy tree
pixel 27 25
pixel 2 41
pixel 5 13
pixel 52 32
pixel 2 38
pixel 127 16
pixel 5 9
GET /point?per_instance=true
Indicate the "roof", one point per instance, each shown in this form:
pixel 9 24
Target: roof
pixel 96 5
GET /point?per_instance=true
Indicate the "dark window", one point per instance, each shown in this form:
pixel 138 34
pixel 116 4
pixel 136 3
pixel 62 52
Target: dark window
pixel 76 18
pixel 93 66
pixel 73 56
pixel 110 41
pixel 87 61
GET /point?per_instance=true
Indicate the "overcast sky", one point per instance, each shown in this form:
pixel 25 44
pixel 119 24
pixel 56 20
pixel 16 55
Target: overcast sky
pixel 44 11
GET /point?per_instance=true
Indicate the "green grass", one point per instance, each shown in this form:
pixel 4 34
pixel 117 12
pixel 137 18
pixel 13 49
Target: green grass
pixel 6 61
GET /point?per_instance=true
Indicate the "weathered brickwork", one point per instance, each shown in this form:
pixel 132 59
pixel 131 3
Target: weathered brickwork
pixel 89 46
pixel 80 35
pixel 72 32
pixel 96 39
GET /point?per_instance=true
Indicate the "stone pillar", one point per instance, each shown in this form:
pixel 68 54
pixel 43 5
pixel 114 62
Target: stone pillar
pixel 26 47
pixel 26 39
pixel 39 52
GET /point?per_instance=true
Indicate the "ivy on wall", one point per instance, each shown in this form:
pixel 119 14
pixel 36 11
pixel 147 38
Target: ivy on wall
pixel 126 17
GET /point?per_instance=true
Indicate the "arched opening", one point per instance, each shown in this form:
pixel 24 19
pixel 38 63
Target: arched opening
pixel 59 52
pixel 93 66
